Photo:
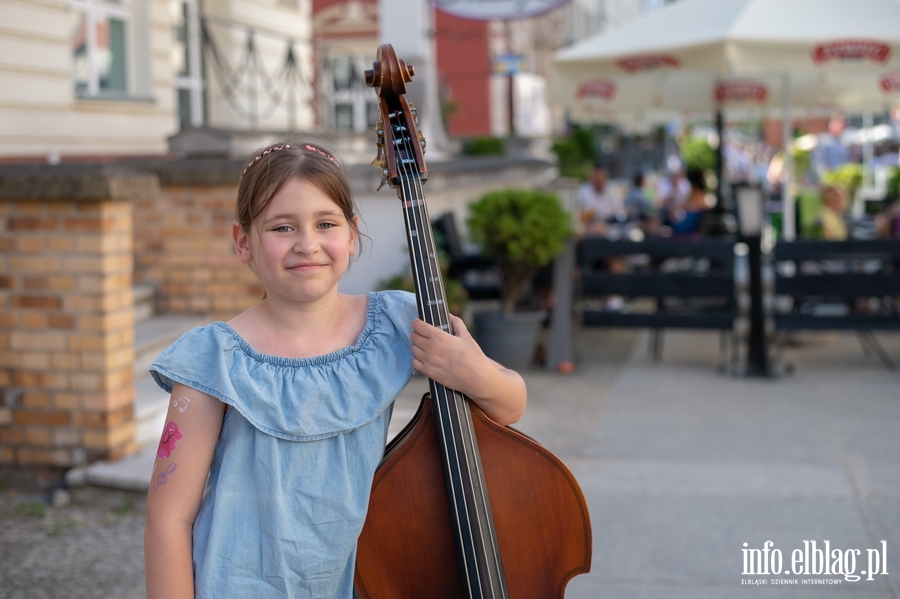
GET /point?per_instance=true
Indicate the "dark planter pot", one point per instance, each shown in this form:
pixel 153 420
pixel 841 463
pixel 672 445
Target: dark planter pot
pixel 510 339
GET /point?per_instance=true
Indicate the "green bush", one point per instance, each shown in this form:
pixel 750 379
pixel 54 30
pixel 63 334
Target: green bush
pixel 893 185
pixel 697 154
pixel 519 230
pixel 849 177
pixel 809 207
pixel 802 161
pixel 576 153
pixel 484 146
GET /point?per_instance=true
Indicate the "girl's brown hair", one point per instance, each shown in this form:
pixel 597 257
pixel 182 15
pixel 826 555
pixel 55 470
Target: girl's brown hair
pixel 269 170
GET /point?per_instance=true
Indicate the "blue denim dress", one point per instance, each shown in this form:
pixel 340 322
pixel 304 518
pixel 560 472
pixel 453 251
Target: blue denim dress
pixel 289 484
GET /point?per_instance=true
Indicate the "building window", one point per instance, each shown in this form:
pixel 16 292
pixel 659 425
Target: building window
pixel 353 106
pixel 187 60
pixel 100 46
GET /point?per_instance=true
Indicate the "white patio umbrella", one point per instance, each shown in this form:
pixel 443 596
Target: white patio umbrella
pixel 655 97
pixel 726 54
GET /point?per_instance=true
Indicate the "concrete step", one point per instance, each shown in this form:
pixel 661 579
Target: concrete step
pixel 150 406
pixel 151 337
pixel 144 301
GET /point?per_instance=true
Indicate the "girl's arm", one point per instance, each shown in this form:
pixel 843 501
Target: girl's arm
pixel 457 362
pixel 179 476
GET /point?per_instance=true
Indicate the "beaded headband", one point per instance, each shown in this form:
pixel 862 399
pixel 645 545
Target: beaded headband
pixel 325 154
pixel 284 147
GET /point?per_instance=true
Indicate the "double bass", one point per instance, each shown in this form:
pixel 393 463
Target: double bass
pixel 460 506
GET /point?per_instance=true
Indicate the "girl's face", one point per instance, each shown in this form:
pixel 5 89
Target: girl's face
pixel 300 245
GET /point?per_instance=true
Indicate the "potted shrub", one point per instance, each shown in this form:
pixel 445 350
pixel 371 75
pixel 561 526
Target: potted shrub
pixel 520 231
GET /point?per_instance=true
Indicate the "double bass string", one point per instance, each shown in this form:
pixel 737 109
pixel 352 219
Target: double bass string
pixel 429 280
pixel 416 218
pixel 412 197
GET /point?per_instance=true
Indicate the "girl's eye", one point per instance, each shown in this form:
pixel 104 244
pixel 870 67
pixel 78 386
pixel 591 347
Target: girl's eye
pixel 326 225
pixel 282 229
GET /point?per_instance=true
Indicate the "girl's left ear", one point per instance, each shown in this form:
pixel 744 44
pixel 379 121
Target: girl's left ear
pixel 241 243
pixel 354 235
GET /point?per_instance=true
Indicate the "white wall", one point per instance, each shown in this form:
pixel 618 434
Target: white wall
pixel 40 114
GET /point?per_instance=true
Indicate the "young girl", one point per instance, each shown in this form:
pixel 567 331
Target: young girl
pixel 279 417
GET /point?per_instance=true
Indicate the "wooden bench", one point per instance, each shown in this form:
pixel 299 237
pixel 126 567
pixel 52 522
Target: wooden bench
pixel 690 283
pixel 477 274
pixel 839 285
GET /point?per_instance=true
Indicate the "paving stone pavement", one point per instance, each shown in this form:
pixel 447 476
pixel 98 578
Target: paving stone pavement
pixel 680 464
pixel 91 548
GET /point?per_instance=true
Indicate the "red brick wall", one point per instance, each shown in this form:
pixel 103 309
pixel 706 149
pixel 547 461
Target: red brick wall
pixel 66 331
pixel 182 245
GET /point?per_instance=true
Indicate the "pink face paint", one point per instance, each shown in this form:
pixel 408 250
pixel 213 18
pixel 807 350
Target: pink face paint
pixel 169 441
pixel 164 475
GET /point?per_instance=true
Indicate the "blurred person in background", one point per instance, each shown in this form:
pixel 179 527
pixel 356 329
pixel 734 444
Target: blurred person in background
pixel 685 220
pixel 832 216
pixel 597 204
pixel 887 222
pixel 673 190
pixel 830 152
pixel 639 207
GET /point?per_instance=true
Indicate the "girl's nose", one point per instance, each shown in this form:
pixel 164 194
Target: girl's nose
pixel 305 243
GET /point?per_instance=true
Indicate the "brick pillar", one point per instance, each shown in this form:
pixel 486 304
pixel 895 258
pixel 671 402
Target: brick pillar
pixel 67 314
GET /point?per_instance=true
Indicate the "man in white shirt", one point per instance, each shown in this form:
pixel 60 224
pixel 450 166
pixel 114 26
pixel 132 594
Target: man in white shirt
pixel 596 203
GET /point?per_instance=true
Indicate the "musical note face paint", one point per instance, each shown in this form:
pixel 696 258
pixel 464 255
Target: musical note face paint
pixel 181 403
pixel 169 441
pixel 163 476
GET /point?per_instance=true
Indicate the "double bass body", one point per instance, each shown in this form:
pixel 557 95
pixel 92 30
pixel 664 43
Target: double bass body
pixel 540 516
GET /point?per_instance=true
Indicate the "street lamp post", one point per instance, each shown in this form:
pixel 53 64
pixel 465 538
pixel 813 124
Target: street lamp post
pixel 749 202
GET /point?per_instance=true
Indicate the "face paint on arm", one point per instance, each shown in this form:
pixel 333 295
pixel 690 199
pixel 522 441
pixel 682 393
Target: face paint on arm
pixel 169 441
pixel 181 403
pixel 163 476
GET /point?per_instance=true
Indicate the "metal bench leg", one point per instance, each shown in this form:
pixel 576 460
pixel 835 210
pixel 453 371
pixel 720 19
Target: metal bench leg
pixel 724 357
pixel 868 340
pixel 656 345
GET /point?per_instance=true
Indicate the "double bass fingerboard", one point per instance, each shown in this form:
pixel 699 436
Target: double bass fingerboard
pixel 477 551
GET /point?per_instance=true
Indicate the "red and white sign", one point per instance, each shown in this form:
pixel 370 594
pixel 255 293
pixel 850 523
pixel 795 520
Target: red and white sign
pixel 600 88
pixel 890 82
pixel 852 49
pixel 648 62
pixel 741 91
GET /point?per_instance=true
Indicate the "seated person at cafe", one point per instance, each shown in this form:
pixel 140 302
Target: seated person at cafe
pixel 832 216
pixel 672 191
pixel 639 207
pixel 597 204
pixel 887 222
pixel 597 207
pixel 685 220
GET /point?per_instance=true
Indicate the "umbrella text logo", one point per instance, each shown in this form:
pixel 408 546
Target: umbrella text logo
pixel 600 88
pixel 741 91
pixel 852 50
pixel 648 62
pixel 890 82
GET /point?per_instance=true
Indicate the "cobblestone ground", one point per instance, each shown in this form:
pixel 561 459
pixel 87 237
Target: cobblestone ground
pixel 88 546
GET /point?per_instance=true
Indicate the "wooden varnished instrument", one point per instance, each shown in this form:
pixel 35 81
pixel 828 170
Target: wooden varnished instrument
pixel 461 507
